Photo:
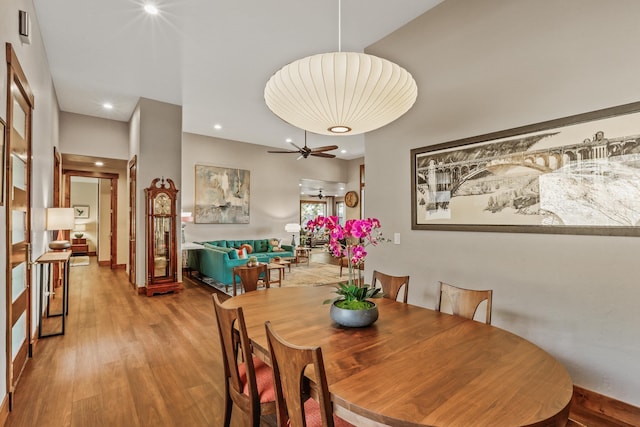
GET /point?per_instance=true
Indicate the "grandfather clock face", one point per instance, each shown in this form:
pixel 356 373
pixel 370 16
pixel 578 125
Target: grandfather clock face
pixel 162 204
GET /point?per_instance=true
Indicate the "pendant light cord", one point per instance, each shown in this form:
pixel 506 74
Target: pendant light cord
pixel 339 25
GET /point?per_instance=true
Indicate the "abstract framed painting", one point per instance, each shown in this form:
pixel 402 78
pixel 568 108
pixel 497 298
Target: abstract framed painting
pixel 222 195
pixel 574 175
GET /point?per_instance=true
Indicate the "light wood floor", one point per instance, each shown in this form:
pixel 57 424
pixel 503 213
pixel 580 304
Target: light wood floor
pixel 130 360
pixel 126 359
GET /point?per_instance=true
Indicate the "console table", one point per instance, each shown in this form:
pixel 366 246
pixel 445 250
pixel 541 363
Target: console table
pixel 49 258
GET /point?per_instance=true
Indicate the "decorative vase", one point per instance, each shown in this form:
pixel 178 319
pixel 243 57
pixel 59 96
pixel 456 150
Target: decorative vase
pixel 354 318
pixel 79 235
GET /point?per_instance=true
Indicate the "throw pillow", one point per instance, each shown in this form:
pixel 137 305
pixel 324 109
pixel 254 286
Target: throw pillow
pixel 247 247
pixel 242 253
pixel 275 245
pixel 233 254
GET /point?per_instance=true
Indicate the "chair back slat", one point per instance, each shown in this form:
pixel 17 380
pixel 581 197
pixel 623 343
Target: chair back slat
pixel 292 387
pixel 464 302
pixel 391 285
pixel 237 347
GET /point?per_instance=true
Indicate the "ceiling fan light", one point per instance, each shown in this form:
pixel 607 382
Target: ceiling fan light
pixel 340 92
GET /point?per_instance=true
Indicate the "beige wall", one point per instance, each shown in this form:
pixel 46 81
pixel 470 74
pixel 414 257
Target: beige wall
pixel 156 139
pixel 353 184
pixel 33 60
pixel 494 65
pixel 93 136
pixel 274 178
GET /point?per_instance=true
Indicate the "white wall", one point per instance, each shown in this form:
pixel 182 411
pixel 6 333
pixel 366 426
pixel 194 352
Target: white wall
pixel 93 136
pixel 45 136
pixel 274 187
pixel 494 65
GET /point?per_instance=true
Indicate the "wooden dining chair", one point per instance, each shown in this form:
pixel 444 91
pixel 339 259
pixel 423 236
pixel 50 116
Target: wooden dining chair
pixel 248 380
pixel 464 302
pixel 294 405
pixel 251 277
pixel 391 285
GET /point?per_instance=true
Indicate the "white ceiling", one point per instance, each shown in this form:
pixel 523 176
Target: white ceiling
pixel 213 57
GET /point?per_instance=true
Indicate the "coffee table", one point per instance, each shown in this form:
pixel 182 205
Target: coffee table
pixel 284 262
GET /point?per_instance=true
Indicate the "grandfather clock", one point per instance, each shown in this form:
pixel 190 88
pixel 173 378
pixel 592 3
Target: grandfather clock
pixel 162 272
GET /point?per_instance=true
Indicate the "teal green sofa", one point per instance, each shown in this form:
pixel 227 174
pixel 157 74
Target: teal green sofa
pixel 217 260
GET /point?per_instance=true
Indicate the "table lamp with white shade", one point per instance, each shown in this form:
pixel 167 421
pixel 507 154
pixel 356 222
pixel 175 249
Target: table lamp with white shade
pixel 59 220
pixel 185 217
pixel 292 228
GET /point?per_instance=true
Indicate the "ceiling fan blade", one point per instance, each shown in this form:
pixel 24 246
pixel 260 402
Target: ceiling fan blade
pixel 325 148
pixel 281 151
pixel 297 148
pixel 327 155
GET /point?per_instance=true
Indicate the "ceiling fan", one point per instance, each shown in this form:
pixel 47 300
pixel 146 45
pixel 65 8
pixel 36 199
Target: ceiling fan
pixel 319 195
pixel 306 151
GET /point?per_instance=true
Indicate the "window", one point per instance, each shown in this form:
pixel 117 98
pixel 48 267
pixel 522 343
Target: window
pixel 340 212
pixel 310 210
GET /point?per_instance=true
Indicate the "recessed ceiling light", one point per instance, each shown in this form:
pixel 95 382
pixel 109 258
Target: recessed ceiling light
pixel 99 163
pixel 343 151
pixel 217 126
pixel 341 188
pixel 151 9
pixel 288 140
pixel 107 106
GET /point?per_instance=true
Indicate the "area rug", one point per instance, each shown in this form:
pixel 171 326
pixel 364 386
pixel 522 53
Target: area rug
pixel 76 261
pixel 314 274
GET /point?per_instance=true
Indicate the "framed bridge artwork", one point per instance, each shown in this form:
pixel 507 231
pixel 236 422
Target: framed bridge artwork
pixel 222 195
pixel 575 175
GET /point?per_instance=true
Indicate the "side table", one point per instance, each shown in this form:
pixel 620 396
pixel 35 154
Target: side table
pixel 79 247
pixel 186 247
pixel 303 254
pixel 49 258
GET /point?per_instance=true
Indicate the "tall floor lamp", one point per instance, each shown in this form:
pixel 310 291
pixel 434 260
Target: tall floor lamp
pixel 292 228
pixel 59 220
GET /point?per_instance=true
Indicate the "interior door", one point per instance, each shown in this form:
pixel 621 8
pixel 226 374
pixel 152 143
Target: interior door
pixel 19 107
pixel 132 221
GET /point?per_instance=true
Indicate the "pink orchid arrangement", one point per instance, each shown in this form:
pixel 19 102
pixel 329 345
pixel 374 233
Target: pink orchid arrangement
pixel 349 240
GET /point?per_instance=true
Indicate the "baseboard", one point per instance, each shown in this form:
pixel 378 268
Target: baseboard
pixel 605 407
pixel 4 410
pixel 107 263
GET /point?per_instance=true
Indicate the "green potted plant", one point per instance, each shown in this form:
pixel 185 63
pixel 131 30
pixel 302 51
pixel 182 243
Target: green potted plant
pixel 351 307
pixel 252 261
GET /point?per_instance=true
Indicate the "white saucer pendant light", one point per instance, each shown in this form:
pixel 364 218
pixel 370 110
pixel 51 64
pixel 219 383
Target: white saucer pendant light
pixel 340 93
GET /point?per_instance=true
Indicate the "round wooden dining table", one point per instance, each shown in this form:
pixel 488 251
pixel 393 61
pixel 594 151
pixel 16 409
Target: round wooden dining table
pixel 415 366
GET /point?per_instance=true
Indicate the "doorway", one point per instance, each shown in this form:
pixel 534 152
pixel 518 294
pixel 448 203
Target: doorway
pixel 90 215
